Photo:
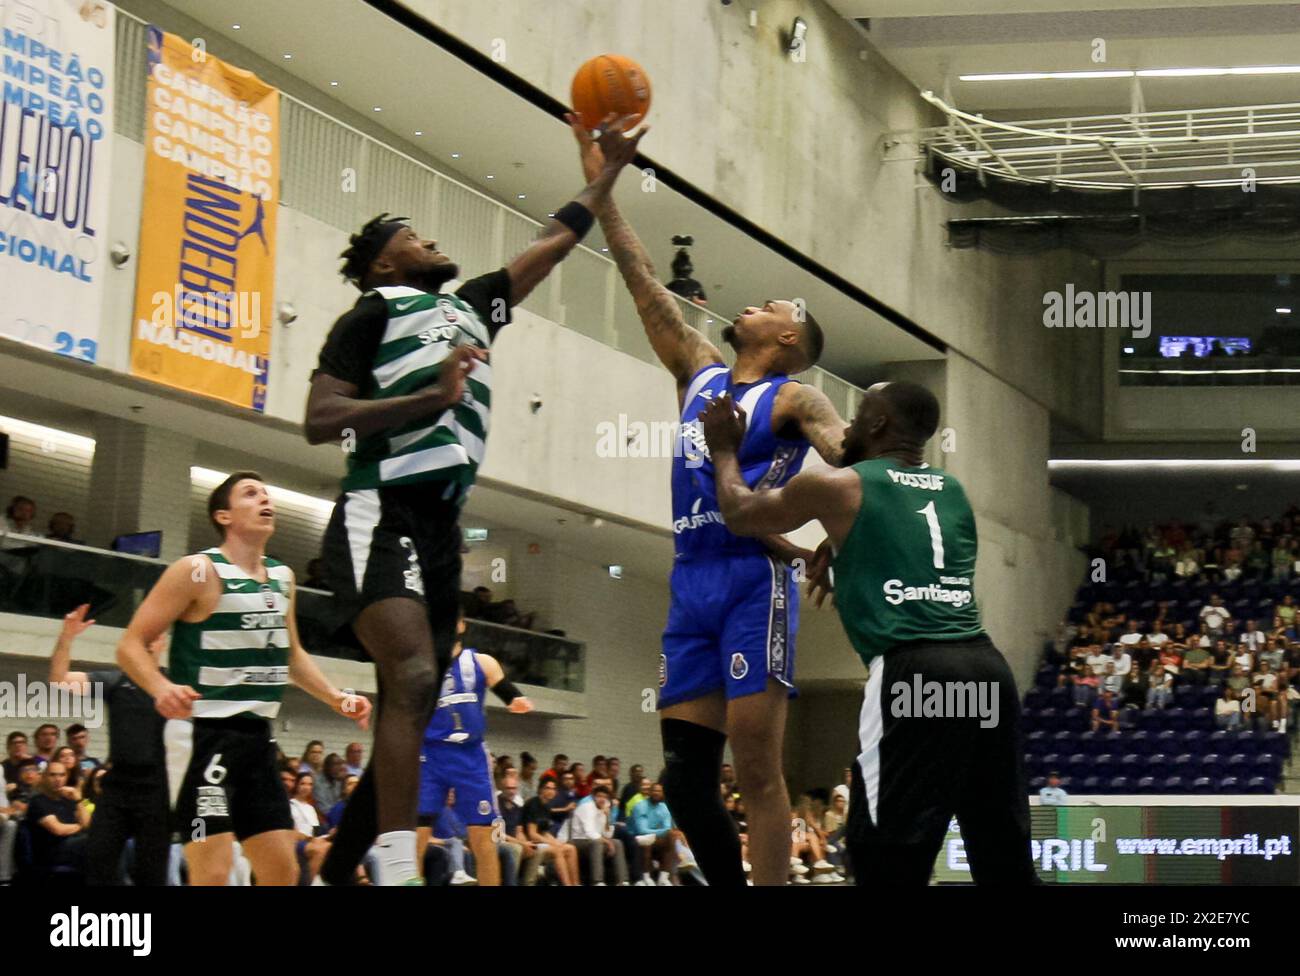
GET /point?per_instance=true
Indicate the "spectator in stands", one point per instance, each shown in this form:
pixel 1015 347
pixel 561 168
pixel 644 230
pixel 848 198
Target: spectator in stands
pixel 651 823
pixel 1215 616
pixel 335 813
pixel 527 776
pixel 1280 560
pixel 354 757
pixel 1286 612
pixel 1274 654
pixel 78 738
pixel 592 834
pixel 1123 660
pixel 1256 562
pixel 1270 704
pixel 580 780
pixel 1227 710
pixel 637 798
pixel 1085 687
pixel 1171 659
pixel 1281 629
pixel 521 858
pixel 537 824
pixel 563 804
pixel 29 784
pixel 632 789
pixel 1143 655
pixel 558 765
pixel 311 849
pixel 1052 795
pixel 478 602
pixel 1239 680
pixel 328 790
pixel 8 833
pixel 1222 664
pixel 1160 686
pixel 58 824
pixel 68 757
pixel 613 765
pixel 313 758
pixel 19 514
pixel 1251 638
pixel 1100 659
pixel 599 770
pixel 1188 563
pixel 1244 659
pixel 47 742
pixel 1134 691
pixel 449 832
pixel 316 575
pixel 1104 712
pixel 1197 662
pixel 1158 638
pixel 1111 682
pixel 16 750
pixel 63 528
pixel 1131 636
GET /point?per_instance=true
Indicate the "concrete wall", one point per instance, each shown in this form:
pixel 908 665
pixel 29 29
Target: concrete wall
pixel 797 149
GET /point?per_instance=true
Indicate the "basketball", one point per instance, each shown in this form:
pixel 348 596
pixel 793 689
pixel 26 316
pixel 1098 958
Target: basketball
pixel 611 83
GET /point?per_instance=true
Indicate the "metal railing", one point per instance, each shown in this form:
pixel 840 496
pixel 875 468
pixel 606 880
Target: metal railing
pixel 1205 147
pixel 46 578
pixel 1219 371
pixel 585 293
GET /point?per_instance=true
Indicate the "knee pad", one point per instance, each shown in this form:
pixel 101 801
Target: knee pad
pixel 692 763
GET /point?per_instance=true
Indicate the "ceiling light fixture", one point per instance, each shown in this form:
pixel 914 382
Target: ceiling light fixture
pixel 288 57
pixel 1273 69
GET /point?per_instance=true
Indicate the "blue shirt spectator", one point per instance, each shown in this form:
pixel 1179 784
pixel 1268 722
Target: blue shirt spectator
pixel 649 817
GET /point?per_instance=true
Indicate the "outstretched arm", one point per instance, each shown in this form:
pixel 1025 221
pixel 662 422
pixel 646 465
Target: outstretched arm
pixel 557 239
pixel 680 348
pixel 505 690
pixel 74 623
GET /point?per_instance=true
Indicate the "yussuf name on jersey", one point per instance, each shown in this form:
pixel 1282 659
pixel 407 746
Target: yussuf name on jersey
pixel 930 482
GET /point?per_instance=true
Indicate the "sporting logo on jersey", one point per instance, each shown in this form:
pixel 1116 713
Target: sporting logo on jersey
pixel 663 670
pixel 448 309
pixel 414 579
pixel 739 666
pixel 484 808
pixel 268 595
pixel 441 333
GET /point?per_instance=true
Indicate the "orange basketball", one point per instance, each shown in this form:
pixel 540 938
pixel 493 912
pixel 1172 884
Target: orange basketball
pixel 610 83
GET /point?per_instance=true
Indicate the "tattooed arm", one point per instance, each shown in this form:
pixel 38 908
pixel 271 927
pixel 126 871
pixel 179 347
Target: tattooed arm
pixel 816 417
pixel 680 348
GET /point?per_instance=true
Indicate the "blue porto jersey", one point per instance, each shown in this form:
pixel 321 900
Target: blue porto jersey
pixel 766 461
pixel 461 713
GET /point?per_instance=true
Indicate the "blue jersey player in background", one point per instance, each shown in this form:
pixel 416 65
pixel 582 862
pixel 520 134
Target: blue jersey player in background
pixel 455 756
pixel 728 650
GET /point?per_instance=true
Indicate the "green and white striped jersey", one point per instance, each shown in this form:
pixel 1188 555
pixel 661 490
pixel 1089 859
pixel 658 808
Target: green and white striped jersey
pixel 394 344
pixel 238 658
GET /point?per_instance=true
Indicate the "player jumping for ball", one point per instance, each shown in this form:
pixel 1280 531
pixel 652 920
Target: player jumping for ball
pixel 904 543
pixel 728 650
pixel 404 383
pixel 234 649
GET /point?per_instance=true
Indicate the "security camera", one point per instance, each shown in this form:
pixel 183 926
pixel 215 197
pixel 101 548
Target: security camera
pixel 798 31
pixel 119 254
pixel 683 240
pixel 286 313
pixel 535 403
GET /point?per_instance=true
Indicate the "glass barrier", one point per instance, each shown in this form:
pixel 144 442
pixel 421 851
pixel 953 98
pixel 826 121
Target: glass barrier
pixel 585 294
pixel 44 578
pixel 1205 371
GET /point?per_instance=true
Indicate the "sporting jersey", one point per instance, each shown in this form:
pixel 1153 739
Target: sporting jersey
pixel 238 658
pixel 393 344
pixel 766 461
pixel 461 713
pixel 906 570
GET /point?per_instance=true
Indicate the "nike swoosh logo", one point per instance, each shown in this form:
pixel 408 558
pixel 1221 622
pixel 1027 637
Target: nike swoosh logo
pixel 402 307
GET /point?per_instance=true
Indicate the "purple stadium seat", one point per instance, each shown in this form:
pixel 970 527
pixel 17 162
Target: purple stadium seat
pixel 1259 784
pixel 1202 784
pixel 1230 784
pixel 1119 784
pixel 1173 784
pixel 1092 784
pixel 1212 765
pixel 1147 784
pixel 1037 783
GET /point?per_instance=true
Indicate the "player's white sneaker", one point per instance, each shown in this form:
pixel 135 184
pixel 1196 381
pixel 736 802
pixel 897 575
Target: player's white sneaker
pixel 823 865
pixel 664 880
pixel 747 866
pixel 644 882
pixel 461 878
pixel 836 877
pixel 798 868
pixel 800 879
pixel 599 884
pixel 832 849
pixel 823 879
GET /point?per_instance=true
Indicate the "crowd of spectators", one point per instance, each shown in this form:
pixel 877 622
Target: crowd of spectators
pixel 20 519
pixel 565 825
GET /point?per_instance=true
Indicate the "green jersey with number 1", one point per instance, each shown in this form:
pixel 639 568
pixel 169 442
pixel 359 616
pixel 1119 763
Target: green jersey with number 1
pixel 906 571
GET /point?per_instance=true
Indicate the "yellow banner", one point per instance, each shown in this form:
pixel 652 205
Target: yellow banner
pixel 203 293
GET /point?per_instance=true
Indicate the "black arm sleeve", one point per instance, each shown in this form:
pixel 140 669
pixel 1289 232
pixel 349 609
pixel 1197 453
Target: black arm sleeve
pixel 349 350
pixel 489 295
pixel 506 691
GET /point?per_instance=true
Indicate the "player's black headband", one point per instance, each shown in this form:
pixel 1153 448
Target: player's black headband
pixel 365 246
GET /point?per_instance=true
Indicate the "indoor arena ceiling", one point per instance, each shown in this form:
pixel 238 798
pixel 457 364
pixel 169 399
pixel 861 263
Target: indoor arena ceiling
pixel 933 41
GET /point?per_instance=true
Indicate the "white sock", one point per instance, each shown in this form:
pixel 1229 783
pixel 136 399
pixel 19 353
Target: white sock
pixel 395 854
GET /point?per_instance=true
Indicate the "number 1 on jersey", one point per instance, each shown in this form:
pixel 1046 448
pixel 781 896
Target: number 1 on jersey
pixel 936 534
